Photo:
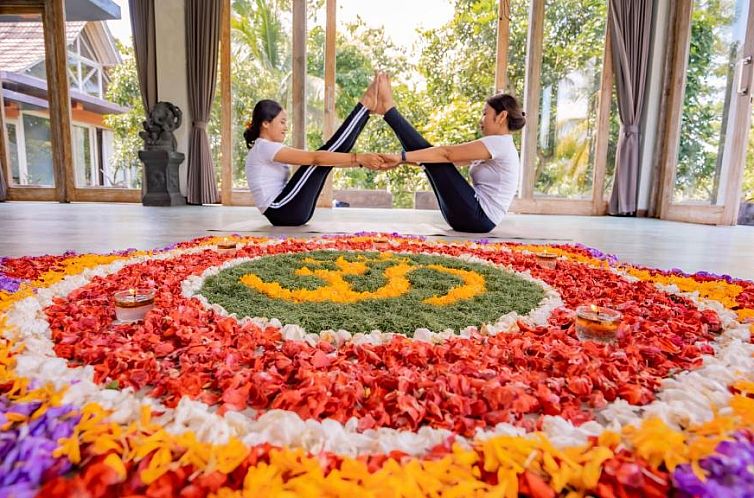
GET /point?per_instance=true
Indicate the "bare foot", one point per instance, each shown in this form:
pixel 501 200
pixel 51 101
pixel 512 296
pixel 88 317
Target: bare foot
pixel 385 102
pixel 370 99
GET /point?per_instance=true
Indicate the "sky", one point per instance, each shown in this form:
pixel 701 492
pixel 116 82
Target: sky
pixel 401 18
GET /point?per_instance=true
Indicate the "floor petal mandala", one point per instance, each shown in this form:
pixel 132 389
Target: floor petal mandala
pixel 370 364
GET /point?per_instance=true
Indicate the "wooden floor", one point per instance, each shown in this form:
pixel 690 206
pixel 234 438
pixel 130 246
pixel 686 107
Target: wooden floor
pixel 47 228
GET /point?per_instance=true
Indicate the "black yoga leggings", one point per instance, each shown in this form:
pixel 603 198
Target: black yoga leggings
pixel 295 204
pixel 457 199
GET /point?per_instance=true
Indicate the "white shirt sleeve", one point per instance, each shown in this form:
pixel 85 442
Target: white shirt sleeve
pixel 495 145
pixel 268 149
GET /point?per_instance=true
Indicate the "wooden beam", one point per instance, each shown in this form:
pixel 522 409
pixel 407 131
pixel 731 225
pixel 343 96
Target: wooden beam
pixel 675 88
pixel 15 7
pixel 550 205
pixel 18 193
pixel 694 213
pixel 532 90
pixel 325 197
pixel 503 41
pixel 99 194
pixel 241 198
pixel 56 64
pixel 603 127
pixel 226 112
pixel 741 106
pixel 298 77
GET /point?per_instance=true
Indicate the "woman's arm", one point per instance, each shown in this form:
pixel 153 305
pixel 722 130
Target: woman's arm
pixel 457 154
pixel 289 155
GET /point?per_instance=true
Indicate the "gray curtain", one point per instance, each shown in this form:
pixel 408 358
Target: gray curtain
pixel 142 27
pixel 630 24
pixel 202 38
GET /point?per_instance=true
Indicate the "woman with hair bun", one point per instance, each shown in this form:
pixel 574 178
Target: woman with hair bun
pixel 291 202
pixel 495 165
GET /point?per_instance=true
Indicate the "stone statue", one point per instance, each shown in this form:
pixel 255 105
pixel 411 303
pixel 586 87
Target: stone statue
pixel 159 126
pixel 160 158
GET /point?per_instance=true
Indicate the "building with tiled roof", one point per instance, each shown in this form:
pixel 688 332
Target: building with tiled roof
pixel 91 51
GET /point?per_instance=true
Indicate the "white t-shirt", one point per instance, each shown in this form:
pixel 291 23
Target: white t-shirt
pixel 266 177
pixel 495 180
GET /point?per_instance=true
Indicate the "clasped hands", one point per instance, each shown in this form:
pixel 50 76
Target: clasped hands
pixel 379 162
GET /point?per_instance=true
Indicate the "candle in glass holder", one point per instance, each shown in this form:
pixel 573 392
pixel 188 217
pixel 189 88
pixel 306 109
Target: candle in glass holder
pixel 547 260
pixel 382 244
pixel 227 245
pixel 596 323
pixel 131 305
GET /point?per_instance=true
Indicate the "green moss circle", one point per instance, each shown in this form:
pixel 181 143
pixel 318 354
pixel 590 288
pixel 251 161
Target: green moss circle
pixel 505 292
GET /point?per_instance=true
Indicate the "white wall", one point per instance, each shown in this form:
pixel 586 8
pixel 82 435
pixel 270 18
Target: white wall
pixel 170 35
pixel 652 105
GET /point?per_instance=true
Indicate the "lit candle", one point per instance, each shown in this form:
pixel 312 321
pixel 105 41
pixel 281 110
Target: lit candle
pixel 226 245
pixel 382 244
pixel 547 260
pixel 596 323
pixel 131 305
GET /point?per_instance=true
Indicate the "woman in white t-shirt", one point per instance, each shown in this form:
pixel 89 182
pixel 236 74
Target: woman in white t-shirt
pixel 291 202
pixel 495 166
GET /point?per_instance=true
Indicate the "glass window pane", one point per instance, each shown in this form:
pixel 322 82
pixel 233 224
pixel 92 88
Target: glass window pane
pixel 748 184
pixel 91 80
pixel 25 110
pixel 37 70
pixel 82 156
pixel 39 169
pixel 612 144
pixel 13 151
pixel 413 41
pixel 85 51
pixel 574 39
pixel 260 69
pixel 315 78
pixel 118 143
pixel 73 72
pixel 717 33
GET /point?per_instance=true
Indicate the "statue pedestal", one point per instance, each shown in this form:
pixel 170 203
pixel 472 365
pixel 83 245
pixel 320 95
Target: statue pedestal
pixel 161 174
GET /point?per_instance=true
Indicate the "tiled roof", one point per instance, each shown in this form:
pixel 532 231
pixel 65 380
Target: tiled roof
pixel 22 43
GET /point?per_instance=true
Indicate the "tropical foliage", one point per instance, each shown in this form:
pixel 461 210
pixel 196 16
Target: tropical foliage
pixel 442 92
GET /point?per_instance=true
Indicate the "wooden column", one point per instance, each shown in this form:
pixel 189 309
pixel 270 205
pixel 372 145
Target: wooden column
pixel 56 62
pixel 503 40
pixel 226 112
pixel 603 127
pixel 325 198
pixel 298 77
pixel 533 86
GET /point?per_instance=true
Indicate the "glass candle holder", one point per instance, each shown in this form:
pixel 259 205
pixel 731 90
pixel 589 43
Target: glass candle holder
pixel 227 245
pixel 547 260
pixel 381 244
pixel 596 323
pixel 131 305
